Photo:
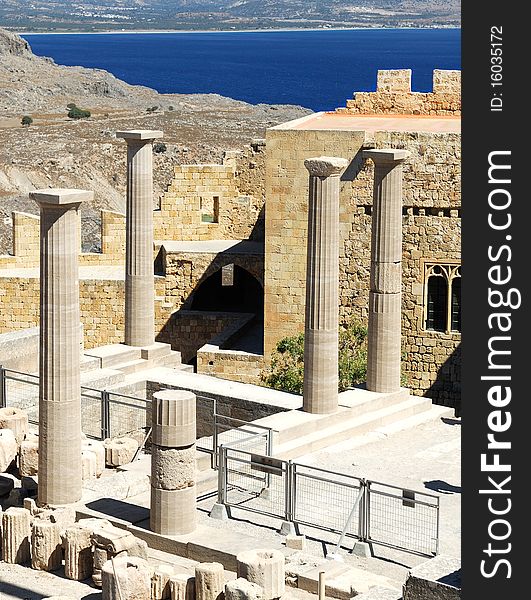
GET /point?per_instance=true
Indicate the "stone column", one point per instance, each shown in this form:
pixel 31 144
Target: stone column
pixel 209 581
pixel 46 548
pixel 59 384
pixel 173 453
pixel 16 533
pixel 322 285
pixel 139 273
pixel 385 296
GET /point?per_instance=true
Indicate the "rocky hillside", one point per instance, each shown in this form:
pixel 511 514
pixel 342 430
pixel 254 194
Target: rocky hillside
pixel 56 151
pixel 87 15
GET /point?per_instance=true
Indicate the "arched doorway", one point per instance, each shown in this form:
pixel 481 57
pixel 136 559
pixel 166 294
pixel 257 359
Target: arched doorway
pixel 230 289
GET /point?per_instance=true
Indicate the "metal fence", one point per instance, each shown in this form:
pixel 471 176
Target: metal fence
pixel 106 414
pixel 342 504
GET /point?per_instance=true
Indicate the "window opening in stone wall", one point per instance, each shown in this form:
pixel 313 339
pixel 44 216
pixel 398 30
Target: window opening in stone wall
pixel 442 295
pixel 209 207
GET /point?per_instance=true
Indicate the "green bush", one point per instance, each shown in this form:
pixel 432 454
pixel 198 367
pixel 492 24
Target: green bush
pixel 77 113
pixel 159 147
pixel 26 121
pixel 286 372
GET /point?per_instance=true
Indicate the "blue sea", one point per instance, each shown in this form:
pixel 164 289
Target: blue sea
pixel 315 69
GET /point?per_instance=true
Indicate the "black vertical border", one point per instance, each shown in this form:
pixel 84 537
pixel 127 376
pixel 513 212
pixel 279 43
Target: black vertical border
pixel 486 131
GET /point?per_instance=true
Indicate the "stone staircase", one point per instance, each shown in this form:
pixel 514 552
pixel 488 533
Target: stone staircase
pixel 361 412
pixel 110 367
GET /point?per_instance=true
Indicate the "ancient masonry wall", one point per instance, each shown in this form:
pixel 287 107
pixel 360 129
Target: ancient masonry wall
pixel 214 202
pixel 431 233
pixel 394 96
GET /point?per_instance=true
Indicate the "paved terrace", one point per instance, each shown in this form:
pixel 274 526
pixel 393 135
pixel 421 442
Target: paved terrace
pixel 328 121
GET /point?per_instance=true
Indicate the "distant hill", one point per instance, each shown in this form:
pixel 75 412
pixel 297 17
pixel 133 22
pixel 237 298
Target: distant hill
pixel 98 15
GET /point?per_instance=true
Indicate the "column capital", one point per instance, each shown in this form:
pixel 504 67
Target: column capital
pixel 61 197
pixel 386 155
pixel 325 166
pixel 140 135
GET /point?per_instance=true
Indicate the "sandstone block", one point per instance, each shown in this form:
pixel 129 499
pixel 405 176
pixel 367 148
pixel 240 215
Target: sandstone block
pixel 266 568
pixel 98 449
pixel 16 420
pixel 173 512
pixel 29 458
pixel 88 465
pixel 46 549
pixel 182 587
pixel 173 418
pixel 126 578
pixel 296 542
pixel 209 581
pixel 173 468
pixel 241 589
pixel 77 546
pixel 16 532
pixel 8 449
pixel 119 451
pixel 160 582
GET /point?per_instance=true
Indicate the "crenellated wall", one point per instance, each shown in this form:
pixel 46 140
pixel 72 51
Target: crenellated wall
pixel 393 95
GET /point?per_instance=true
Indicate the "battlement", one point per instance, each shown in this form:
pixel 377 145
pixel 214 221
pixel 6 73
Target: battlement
pixel 393 95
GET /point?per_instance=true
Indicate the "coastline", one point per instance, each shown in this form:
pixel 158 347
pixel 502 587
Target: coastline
pixel 202 31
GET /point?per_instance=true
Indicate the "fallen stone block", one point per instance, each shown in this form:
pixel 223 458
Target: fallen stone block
pixel 120 451
pixel 98 449
pixel 241 589
pixel 16 532
pixel 77 545
pixel 296 542
pixel 209 581
pixel 182 587
pixel 46 546
pixel 8 449
pixel 160 582
pixel 88 465
pixel 16 420
pixel 265 568
pixel 29 458
pixel 126 578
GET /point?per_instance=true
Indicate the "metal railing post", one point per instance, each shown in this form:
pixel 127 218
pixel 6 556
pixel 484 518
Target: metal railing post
pixel 3 398
pixel 363 513
pixel 105 415
pixel 222 476
pixel 215 442
pixel 289 485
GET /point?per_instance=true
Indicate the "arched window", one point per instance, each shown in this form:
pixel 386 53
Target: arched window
pixel 442 297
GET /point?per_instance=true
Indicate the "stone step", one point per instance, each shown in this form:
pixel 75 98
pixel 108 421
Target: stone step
pixel 134 366
pixel 89 363
pixel 156 351
pixel 173 359
pixel 101 379
pixel 292 425
pixel 350 428
pixel 114 354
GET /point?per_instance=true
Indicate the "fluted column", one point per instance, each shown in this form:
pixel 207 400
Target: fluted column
pixel 322 285
pixel 385 295
pixel 173 451
pixel 59 383
pixel 139 274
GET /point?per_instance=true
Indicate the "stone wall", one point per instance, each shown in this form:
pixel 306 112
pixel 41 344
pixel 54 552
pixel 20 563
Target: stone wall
pixel 214 202
pixel 189 330
pixel 19 350
pixel 394 96
pixel 234 365
pixel 431 233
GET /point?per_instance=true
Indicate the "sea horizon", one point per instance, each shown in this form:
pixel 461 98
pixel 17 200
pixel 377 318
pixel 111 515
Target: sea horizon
pixel 314 68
